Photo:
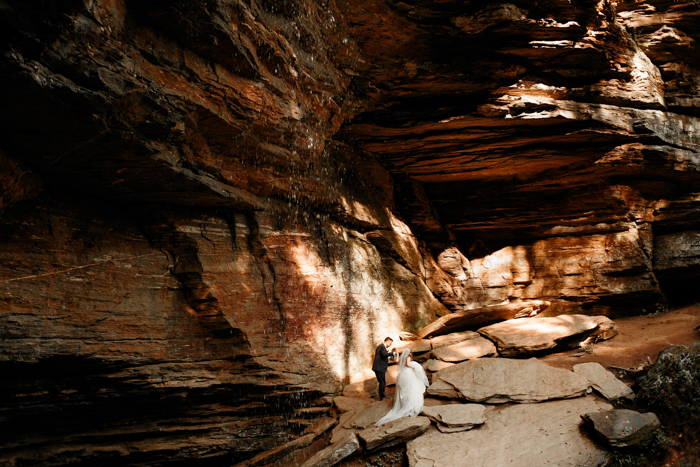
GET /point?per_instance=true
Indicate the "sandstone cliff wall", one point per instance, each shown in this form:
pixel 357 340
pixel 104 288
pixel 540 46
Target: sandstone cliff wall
pixel 212 211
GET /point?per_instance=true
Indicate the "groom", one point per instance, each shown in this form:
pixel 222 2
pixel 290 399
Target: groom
pixel 380 364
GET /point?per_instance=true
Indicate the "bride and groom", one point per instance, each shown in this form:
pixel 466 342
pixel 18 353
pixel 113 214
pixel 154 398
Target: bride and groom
pixel 410 384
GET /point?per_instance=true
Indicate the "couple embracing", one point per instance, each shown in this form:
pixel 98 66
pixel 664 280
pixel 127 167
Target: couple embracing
pixel 410 384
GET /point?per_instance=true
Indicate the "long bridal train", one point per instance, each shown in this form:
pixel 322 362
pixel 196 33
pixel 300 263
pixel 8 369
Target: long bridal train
pixel 410 386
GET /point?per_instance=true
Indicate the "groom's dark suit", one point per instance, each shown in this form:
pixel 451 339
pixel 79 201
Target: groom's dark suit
pixel 379 366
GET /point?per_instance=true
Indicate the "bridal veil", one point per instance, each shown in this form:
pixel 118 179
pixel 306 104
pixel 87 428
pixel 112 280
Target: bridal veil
pixel 410 386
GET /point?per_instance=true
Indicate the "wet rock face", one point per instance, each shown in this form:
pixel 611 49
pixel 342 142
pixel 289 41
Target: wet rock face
pixel 231 203
pixel 136 313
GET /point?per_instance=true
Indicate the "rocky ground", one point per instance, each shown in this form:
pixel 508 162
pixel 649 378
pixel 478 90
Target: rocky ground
pixel 523 431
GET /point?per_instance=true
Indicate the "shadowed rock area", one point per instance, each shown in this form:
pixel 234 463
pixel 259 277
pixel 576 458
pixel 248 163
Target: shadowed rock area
pixel 211 212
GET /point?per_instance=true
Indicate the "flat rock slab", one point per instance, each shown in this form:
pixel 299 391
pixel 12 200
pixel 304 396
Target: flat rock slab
pixel 441 388
pixel 417 347
pixel 465 416
pixel 339 431
pixel 522 435
pixel 466 350
pixel 433 365
pixel 476 317
pixel 321 425
pixel 368 416
pixel 454 338
pixel 432 402
pixel 279 452
pixel 622 427
pixel 603 381
pixel 347 404
pixel 392 433
pixel 519 337
pixel 500 380
pixel 455 429
pixel 334 453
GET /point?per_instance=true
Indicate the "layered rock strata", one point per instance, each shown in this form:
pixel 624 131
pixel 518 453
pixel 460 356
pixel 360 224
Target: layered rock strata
pixel 212 212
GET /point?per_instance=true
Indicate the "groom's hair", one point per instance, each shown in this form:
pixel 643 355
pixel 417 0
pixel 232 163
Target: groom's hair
pixel 389 339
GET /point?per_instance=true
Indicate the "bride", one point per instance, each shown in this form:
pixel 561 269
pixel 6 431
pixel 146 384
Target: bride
pixel 410 386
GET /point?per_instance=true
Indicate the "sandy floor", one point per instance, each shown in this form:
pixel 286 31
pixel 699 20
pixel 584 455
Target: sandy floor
pixel 640 340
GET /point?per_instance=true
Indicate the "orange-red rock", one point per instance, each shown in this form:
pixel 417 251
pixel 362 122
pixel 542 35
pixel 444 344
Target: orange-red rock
pixel 212 212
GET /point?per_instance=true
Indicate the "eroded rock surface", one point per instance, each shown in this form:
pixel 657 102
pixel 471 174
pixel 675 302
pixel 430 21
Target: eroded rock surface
pixel 451 339
pixel 279 452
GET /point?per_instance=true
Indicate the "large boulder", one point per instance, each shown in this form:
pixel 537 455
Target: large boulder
pixel 392 433
pixel 500 380
pixel 622 427
pixel 466 350
pixel 476 317
pixel 523 336
pixel 523 435
pixel 603 381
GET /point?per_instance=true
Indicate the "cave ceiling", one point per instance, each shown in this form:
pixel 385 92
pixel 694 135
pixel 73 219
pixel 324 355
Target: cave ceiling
pixel 507 120
pixel 498 121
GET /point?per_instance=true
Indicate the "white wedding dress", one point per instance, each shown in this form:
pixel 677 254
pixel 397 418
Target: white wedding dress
pixel 410 386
